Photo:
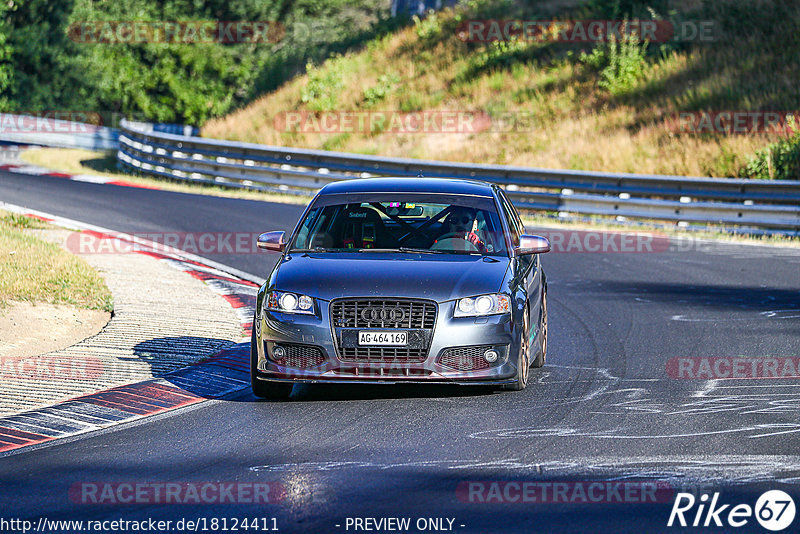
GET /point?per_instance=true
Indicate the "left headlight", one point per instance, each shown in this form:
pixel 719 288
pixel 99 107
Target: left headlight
pixel 290 302
pixel 483 305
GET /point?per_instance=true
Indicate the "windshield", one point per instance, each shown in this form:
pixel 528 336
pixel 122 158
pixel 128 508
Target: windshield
pixel 445 226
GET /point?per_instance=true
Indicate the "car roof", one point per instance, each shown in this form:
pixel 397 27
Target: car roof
pixel 406 184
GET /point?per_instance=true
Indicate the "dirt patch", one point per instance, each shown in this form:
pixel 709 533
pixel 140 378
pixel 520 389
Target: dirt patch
pixel 31 329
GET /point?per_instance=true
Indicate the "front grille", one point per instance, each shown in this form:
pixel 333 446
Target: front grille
pixel 301 356
pixel 417 316
pixel 465 358
pixel 357 313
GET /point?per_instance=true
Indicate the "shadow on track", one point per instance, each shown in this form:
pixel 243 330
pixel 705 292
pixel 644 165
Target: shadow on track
pixel 712 296
pixel 230 363
pixel 344 392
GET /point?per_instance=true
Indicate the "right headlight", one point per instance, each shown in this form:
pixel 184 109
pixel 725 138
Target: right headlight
pixel 290 302
pixel 493 304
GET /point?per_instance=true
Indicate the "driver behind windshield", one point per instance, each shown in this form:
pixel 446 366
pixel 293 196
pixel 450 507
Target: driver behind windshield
pixel 422 223
pixel 461 223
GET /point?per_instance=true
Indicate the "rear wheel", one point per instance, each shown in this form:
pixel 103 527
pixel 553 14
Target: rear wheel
pixel 524 357
pixel 265 390
pixel 541 355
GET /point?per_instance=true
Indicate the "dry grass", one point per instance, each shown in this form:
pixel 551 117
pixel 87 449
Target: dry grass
pixel 576 124
pixel 33 270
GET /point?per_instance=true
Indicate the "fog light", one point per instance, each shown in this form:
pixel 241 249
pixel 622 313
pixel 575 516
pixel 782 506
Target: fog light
pixel 490 356
pixel 278 353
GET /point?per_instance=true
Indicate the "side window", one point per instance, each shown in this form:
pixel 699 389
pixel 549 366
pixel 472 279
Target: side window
pixel 520 224
pixel 303 233
pixel 512 218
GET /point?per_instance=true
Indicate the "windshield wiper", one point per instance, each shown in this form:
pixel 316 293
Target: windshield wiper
pixel 401 249
pixel 398 249
pixel 422 250
pixel 317 249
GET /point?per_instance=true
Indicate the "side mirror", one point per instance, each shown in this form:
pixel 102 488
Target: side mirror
pixel 532 244
pixel 275 241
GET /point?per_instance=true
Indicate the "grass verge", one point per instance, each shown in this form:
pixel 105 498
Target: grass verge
pixel 33 270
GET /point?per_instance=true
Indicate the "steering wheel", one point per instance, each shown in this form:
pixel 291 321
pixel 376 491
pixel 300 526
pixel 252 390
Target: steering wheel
pixel 454 241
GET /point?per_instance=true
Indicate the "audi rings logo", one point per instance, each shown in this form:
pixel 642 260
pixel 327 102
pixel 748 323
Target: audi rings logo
pixel 385 315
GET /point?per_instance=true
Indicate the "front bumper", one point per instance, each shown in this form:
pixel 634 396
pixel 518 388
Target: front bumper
pixel 498 332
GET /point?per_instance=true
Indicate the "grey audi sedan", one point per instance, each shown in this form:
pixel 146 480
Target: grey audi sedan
pixel 395 280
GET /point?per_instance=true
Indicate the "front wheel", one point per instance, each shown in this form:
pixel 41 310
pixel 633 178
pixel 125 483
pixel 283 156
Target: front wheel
pixel 541 355
pixel 524 357
pixel 265 390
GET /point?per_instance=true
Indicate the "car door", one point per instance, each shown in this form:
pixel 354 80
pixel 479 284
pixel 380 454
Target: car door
pixel 526 268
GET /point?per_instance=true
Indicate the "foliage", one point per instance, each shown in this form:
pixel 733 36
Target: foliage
pixel 36 57
pixel 779 160
pixel 45 67
pixel 6 66
pixel 386 85
pixel 620 62
pixel 324 84
pixel 428 26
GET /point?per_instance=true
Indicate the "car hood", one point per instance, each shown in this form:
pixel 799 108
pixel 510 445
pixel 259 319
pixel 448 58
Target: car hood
pixel 437 277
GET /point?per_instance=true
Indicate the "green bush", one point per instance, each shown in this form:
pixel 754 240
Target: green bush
pixel 387 83
pixel 778 161
pixel 429 26
pixel 323 87
pixel 621 63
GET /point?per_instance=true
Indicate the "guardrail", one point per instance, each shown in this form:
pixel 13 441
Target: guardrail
pixel 44 131
pixel 49 131
pixel 755 203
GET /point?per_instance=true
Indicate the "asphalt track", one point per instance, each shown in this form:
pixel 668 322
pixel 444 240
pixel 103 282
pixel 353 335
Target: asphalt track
pixel 604 408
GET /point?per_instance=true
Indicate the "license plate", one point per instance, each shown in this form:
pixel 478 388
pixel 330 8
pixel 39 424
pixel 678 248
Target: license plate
pixel 390 339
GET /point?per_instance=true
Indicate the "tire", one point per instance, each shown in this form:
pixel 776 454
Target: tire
pixel 265 390
pixel 523 359
pixel 541 354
